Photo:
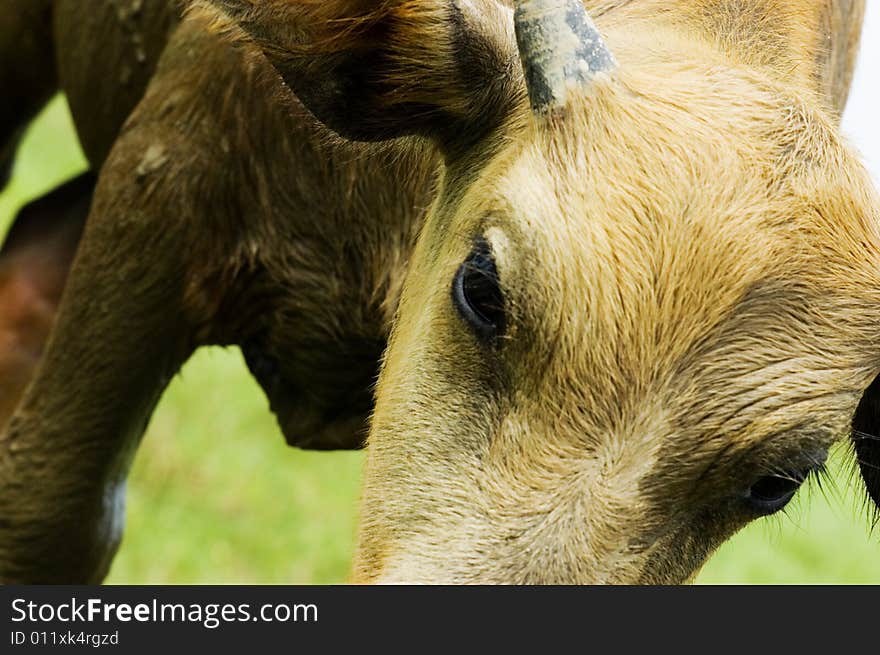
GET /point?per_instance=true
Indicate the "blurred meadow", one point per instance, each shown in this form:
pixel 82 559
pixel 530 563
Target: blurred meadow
pixel 217 497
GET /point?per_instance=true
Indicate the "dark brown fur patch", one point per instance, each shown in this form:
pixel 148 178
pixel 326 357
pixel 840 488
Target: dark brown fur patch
pixel 375 71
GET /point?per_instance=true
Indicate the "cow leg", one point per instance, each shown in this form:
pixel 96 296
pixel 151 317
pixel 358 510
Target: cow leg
pixel 125 325
pixel 34 263
pixel 27 71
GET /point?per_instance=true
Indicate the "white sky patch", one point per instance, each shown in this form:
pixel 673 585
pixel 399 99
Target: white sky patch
pixel 861 120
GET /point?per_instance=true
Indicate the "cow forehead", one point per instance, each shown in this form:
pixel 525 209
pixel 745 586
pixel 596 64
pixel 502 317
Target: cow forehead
pixel 719 263
pixel 662 233
pixel 654 243
pixel 667 194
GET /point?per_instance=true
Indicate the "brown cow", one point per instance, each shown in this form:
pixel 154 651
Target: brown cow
pixel 34 262
pixel 629 272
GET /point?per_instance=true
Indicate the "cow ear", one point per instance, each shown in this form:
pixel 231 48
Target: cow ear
pixel 816 41
pixel 866 440
pixel 840 31
pixel 378 70
pixel 34 261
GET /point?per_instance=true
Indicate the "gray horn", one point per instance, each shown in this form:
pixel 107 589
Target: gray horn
pixel 560 48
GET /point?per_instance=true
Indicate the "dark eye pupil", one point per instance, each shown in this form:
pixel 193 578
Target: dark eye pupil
pixel 772 493
pixel 477 294
pixel 481 288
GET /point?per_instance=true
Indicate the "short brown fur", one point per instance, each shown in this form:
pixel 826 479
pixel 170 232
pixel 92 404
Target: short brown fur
pixel 687 251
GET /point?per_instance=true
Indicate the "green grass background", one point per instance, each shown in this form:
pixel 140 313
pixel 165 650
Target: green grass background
pixel 217 497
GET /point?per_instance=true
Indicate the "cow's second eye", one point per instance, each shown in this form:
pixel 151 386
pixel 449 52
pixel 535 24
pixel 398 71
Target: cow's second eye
pixel 477 295
pixel 772 493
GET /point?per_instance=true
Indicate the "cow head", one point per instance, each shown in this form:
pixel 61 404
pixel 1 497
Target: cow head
pixel 643 305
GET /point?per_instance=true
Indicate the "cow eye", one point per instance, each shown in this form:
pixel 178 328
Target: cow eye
pixel 476 294
pixel 773 492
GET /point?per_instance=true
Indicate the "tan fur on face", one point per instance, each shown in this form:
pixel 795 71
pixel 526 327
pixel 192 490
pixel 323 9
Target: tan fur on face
pixel 686 261
pixel 683 249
